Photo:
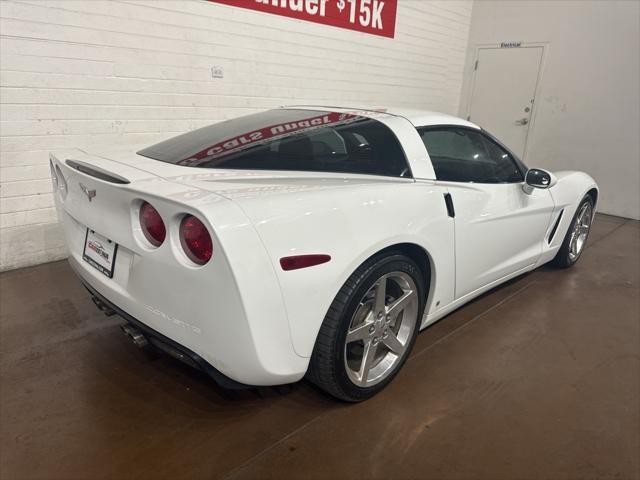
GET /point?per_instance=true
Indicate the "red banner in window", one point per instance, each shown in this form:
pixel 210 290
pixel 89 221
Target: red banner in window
pixel 262 135
pixel 376 17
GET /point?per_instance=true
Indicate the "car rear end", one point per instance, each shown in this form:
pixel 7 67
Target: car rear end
pixel 158 251
pixel 169 237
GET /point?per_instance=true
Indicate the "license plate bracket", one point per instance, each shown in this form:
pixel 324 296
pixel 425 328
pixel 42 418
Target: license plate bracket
pixel 99 252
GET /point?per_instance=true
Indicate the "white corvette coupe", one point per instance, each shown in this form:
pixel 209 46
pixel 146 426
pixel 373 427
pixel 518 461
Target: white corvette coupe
pixel 310 241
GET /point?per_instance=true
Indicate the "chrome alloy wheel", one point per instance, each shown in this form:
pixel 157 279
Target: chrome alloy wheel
pixel 381 329
pixel 580 231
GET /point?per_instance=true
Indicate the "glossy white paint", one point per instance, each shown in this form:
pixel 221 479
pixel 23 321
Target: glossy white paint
pixel 499 229
pixel 241 312
pixel 569 188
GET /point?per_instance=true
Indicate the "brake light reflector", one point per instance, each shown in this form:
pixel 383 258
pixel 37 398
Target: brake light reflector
pixel 303 261
pixel 195 239
pixel 152 225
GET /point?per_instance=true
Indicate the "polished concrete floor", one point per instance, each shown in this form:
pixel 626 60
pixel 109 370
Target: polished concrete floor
pixel 539 378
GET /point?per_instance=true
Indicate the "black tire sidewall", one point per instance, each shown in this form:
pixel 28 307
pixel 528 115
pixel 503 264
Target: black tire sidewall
pixel 387 264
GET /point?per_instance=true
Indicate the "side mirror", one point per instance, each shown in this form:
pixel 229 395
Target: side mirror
pixel 538 178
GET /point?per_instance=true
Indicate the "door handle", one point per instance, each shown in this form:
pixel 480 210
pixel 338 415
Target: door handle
pixel 522 121
pixel 448 201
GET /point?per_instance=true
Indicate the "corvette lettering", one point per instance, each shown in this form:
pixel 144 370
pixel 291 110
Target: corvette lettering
pixel 175 321
pixel 376 17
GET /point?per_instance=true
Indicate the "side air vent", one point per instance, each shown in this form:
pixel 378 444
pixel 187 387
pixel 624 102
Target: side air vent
pixel 555 227
pixel 97 172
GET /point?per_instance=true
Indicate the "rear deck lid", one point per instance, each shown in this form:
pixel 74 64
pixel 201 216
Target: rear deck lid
pixel 104 194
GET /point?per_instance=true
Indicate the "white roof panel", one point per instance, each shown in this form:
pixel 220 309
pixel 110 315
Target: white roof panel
pixel 419 118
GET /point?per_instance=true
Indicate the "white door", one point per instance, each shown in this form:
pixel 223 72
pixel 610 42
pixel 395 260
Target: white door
pixel 499 229
pixel 503 95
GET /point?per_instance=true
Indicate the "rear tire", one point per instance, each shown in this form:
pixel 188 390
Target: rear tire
pixel 576 236
pixel 369 329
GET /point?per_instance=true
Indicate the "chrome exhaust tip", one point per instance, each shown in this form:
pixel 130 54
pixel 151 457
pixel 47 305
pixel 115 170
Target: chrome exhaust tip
pixel 134 335
pixel 102 307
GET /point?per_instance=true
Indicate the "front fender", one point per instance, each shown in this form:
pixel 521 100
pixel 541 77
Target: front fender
pixel 567 193
pixel 571 188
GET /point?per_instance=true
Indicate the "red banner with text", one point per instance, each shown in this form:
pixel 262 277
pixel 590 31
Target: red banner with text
pixel 264 134
pixel 376 17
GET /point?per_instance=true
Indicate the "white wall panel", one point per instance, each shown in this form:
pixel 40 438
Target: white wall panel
pixel 587 113
pixel 77 73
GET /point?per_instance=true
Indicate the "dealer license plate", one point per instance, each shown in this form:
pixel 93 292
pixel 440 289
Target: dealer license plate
pixel 100 252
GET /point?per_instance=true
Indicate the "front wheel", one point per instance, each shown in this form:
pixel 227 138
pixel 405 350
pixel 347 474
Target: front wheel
pixel 577 234
pixel 369 329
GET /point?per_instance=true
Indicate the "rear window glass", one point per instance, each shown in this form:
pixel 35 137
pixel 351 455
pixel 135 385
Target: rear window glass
pixel 288 139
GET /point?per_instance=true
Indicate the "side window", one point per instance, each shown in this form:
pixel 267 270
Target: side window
pixel 464 155
pixel 506 169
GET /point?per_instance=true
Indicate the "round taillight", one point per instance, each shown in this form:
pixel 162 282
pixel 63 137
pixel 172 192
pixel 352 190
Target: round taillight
pixel 152 225
pixel 195 240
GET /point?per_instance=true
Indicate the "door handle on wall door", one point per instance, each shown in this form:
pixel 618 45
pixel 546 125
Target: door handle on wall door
pixel 522 121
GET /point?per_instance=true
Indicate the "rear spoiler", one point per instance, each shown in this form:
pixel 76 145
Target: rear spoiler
pixel 96 172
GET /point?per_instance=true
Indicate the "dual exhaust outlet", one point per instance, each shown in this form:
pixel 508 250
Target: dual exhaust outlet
pixel 135 335
pixel 140 340
pixel 143 337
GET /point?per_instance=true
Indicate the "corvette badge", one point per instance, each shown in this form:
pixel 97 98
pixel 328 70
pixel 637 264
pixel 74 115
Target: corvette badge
pixel 89 193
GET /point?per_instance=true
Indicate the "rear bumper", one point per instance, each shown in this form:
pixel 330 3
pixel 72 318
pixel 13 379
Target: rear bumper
pixel 235 367
pixel 167 345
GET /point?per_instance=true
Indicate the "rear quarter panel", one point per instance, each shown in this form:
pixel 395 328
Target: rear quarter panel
pixel 350 224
